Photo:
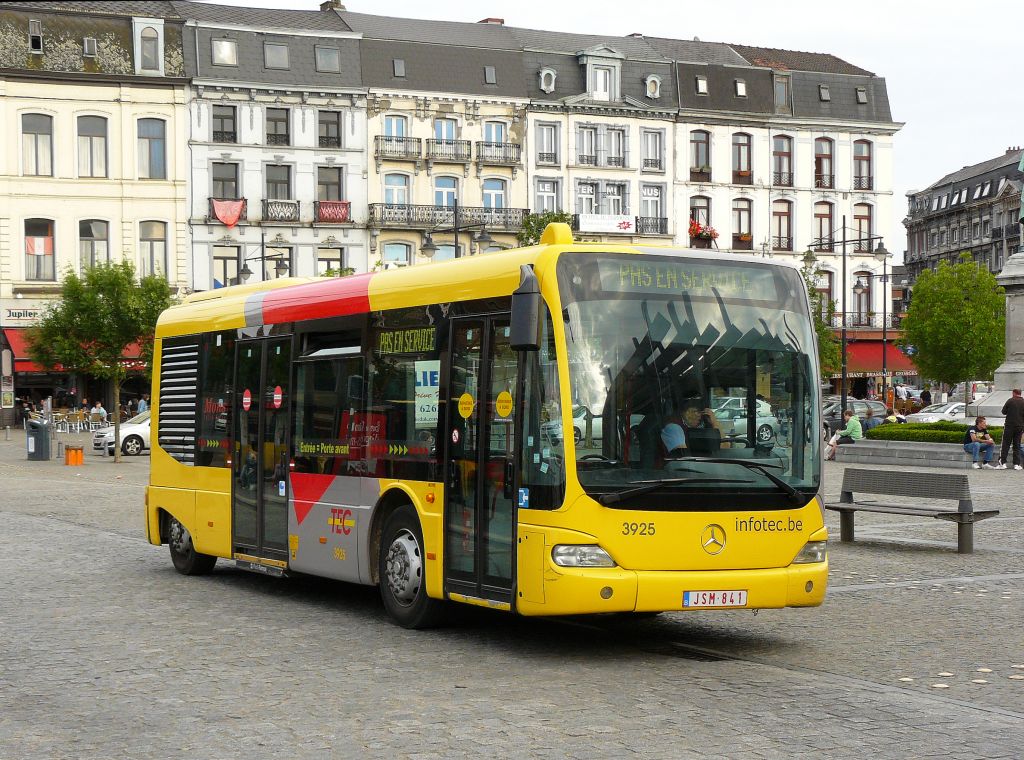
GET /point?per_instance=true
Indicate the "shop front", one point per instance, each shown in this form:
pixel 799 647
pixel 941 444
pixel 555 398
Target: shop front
pixel 864 369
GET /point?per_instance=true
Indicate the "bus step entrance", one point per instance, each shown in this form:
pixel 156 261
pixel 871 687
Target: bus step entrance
pixel 261 565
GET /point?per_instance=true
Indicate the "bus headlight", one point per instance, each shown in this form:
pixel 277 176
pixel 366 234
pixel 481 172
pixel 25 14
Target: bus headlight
pixel 581 555
pixel 813 551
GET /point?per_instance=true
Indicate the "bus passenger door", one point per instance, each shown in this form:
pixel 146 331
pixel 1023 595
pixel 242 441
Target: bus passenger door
pixel 479 509
pixel 259 484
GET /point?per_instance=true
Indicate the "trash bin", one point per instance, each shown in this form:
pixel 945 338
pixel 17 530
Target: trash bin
pixel 37 433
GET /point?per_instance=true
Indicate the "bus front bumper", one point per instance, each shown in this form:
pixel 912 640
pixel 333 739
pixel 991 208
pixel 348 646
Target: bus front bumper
pixel 569 591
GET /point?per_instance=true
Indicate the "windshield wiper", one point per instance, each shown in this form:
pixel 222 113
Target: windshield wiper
pixel 762 467
pixel 646 486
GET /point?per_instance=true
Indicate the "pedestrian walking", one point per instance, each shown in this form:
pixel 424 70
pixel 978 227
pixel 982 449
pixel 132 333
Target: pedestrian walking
pixel 1013 411
pixel 979 441
pixel 143 403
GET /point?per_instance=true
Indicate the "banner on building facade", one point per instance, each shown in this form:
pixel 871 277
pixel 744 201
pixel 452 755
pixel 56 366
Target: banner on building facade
pixel 228 212
pixel 607 223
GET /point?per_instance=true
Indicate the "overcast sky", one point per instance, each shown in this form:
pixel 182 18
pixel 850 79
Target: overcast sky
pixel 952 68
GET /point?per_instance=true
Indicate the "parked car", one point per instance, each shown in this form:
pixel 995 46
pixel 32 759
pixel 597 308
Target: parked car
pixel 832 416
pixel 553 429
pixel 733 422
pixel 951 410
pixel 134 436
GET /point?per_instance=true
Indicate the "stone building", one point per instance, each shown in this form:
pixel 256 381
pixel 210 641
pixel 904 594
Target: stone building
pixel 975 210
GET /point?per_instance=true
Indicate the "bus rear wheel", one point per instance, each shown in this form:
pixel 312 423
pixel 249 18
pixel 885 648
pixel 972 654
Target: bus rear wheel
pixel 186 559
pixel 402 572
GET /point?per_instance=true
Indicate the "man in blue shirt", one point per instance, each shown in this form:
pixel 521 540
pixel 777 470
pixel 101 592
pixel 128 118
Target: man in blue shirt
pixel 143 403
pixel 978 440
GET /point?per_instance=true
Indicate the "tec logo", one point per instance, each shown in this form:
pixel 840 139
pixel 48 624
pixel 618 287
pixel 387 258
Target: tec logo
pixel 341 521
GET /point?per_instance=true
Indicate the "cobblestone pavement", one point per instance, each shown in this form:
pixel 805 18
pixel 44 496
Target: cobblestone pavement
pixel 106 652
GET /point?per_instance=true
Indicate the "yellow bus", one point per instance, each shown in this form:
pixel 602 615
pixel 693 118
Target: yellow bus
pixel 561 429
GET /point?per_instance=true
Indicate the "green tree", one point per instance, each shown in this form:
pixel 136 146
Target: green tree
pixel 99 315
pixel 956 323
pixel 534 224
pixel 822 310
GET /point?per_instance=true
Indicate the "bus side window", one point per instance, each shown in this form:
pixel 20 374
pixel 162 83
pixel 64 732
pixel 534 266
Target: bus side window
pixel 217 365
pixel 542 458
pixel 328 417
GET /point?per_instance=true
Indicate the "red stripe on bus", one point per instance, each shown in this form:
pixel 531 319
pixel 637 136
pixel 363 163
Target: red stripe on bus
pixel 333 297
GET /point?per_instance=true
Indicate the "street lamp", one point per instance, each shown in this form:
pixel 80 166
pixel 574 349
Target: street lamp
pixel 280 267
pixel 883 255
pixel 481 238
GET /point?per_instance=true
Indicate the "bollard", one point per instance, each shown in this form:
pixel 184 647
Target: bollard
pixel 60 450
pixel 7 433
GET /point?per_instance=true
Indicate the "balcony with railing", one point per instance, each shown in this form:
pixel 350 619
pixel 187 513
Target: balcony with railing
pixel 997 233
pixel 825 181
pixel 450 151
pixel 863 183
pixel 332 212
pixel 780 243
pixel 1012 230
pixel 742 177
pixel 824 245
pixel 499 153
pixel 586 159
pixel 330 141
pixel 280 211
pixel 782 179
pixel 654 164
pixel 396 148
pixel 225 136
pixel 547 158
pixel 700 174
pixel 744 242
pixel 652 225
pixel 408 215
pixel 226 206
pixel 867 320
pixel 619 161
pixel 278 140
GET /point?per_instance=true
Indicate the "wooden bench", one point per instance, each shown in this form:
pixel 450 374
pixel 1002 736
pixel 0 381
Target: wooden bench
pixel 916 485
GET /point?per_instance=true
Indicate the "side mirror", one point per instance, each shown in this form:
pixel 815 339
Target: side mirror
pixel 524 333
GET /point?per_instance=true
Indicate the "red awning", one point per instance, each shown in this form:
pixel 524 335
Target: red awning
pixel 22 363
pixel 864 357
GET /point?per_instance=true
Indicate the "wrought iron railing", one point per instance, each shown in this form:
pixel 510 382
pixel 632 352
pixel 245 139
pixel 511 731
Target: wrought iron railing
pixel 866 319
pixel 1012 230
pixel 547 158
pixel 280 211
pixel 449 150
pixel 385 146
pixel 224 136
pixel 780 243
pixel 277 139
pixel 615 160
pixel 653 163
pixel 212 216
pixel 782 179
pixel 825 244
pixel 586 159
pixel 742 242
pixel 498 152
pixel 333 212
pixel 825 181
pixel 997 233
pixel 426 217
pixel 330 141
pixel 863 183
pixel 652 225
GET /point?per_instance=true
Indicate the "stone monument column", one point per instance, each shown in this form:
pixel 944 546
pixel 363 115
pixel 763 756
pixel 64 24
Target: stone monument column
pixel 1010 374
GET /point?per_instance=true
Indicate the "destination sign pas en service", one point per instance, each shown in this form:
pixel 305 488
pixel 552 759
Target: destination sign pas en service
pixel 699 279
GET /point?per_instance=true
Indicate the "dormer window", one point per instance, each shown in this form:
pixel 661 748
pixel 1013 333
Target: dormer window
pixel 88 47
pixel 35 36
pixel 490 75
pixel 601 85
pixel 603 67
pixel 652 86
pixel 862 95
pixel 149 45
pixel 275 55
pixel 741 88
pixel 823 93
pixel 398 66
pixel 547 79
pixel 702 84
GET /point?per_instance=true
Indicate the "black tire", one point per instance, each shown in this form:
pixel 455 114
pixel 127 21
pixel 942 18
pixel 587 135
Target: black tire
pixel 402 572
pixel 577 435
pixel 132 446
pixel 186 559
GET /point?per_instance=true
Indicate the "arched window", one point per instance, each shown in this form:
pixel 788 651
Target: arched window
pixel 862 223
pixel 700 210
pixel 445 191
pixel 152 248
pixel 741 145
pixel 92 146
pixel 396 189
pixel 547 79
pixel 824 174
pixel 39 248
pixel 782 161
pixel 37 144
pixel 862 177
pixel 93 243
pixel 861 298
pixel 782 225
pixel 742 239
pixel 652 86
pixel 700 154
pixel 150 49
pixel 823 226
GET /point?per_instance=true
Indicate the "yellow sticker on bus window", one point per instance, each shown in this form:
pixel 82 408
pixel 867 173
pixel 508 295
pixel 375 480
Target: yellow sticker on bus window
pixel 503 404
pixel 466 404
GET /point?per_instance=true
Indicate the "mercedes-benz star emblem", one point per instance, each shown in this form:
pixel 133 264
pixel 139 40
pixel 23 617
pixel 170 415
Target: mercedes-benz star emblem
pixel 712 540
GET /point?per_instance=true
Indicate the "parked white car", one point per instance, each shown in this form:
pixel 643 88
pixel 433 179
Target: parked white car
pixel 951 410
pixel 134 436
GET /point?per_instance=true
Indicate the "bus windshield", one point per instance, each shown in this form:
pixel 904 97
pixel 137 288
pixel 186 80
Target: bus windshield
pixel 693 382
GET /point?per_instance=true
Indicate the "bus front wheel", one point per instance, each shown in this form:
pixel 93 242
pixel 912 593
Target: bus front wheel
pixel 186 559
pixel 402 572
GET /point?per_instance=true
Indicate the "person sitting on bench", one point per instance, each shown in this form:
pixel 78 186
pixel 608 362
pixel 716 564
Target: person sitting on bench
pixel 849 434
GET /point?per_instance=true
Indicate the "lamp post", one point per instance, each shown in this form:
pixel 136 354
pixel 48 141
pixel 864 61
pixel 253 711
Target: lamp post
pixel 280 267
pixel 429 247
pixel 882 255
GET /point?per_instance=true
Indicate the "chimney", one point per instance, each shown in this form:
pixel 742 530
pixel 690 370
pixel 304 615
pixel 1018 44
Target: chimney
pixel 497 21
pixel 332 5
pixel 636 35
